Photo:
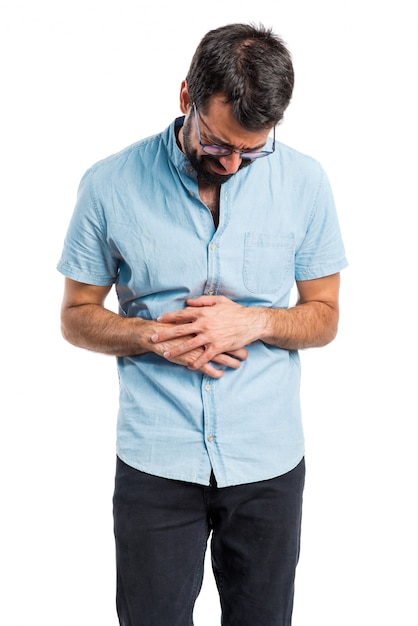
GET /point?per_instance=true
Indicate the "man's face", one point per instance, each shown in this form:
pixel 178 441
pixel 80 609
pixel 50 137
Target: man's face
pixel 218 127
pixel 207 167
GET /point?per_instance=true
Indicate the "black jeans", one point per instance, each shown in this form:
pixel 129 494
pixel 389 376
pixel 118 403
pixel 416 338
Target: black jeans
pixel 161 531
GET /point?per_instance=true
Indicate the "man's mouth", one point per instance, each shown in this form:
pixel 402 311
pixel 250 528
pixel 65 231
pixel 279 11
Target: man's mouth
pixel 216 166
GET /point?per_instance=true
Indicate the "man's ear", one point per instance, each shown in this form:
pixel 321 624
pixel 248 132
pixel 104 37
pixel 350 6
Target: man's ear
pixel 185 103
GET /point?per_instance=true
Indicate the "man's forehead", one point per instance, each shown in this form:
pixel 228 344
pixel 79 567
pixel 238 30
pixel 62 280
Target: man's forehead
pixel 222 128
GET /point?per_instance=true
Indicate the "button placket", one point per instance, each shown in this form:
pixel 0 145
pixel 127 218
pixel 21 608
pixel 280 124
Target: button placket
pixel 208 409
pixel 212 268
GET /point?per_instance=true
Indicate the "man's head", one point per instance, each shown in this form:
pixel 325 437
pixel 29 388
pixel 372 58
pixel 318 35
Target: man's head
pixel 238 86
pixel 250 66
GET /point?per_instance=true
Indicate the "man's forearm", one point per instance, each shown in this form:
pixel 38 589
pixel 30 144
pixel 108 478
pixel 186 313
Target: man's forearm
pixel 308 325
pixel 93 327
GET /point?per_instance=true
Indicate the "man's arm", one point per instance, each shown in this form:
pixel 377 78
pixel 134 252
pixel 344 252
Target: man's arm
pixel 86 323
pixel 217 324
pixel 312 323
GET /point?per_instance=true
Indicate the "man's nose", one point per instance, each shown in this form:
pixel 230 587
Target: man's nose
pixel 231 162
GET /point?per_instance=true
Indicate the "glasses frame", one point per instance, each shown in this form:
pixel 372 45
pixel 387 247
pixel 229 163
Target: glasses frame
pixel 219 151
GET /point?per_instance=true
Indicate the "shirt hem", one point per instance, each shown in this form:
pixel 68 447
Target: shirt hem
pixel 205 483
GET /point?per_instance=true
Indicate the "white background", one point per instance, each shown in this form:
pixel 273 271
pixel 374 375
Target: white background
pixel 83 79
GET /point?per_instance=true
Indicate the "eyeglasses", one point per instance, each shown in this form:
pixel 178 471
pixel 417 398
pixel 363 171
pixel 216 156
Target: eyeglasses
pixel 215 150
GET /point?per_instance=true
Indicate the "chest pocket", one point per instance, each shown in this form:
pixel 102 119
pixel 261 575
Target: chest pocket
pixel 268 261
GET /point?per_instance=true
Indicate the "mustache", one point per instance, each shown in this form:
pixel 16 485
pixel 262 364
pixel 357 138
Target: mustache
pixel 215 161
pixel 212 159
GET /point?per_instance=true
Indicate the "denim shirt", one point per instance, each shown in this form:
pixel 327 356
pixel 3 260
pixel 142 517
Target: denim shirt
pixel 139 224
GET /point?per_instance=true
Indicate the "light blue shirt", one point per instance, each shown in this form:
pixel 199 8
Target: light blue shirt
pixel 139 223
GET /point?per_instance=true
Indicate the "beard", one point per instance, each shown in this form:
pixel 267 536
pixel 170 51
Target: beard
pixel 201 164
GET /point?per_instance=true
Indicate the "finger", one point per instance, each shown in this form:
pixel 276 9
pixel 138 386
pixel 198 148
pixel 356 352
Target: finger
pixel 205 301
pixel 166 334
pixel 211 371
pixel 208 369
pixel 183 348
pixel 227 361
pixel 184 316
pixel 241 354
pixel 209 354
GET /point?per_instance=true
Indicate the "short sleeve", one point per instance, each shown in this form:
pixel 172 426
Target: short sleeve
pixel 87 256
pixel 321 252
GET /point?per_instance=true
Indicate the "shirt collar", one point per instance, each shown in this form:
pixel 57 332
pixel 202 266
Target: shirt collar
pixel 180 161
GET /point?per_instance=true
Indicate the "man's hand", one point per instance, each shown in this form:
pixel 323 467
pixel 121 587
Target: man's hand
pixel 212 325
pixel 173 350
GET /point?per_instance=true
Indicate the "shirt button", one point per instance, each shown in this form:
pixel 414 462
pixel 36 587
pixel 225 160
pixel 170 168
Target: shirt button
pixel 213 246
pixel 210 292
pixel 210 438
pixel 208 387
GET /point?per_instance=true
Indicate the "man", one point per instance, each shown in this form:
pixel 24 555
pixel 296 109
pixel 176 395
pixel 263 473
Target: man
pixel 203 230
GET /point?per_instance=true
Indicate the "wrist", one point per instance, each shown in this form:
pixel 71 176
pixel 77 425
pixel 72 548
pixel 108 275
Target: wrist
pixel 259 323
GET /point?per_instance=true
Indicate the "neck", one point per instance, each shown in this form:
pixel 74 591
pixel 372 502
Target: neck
pixel 209 194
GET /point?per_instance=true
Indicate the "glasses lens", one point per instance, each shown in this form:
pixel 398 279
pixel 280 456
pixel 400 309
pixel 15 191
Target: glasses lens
pixel 221 151
pixel 254 155
pixel 216 150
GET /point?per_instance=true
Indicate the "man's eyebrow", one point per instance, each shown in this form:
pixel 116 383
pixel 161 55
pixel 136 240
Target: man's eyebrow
pixel 218 141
